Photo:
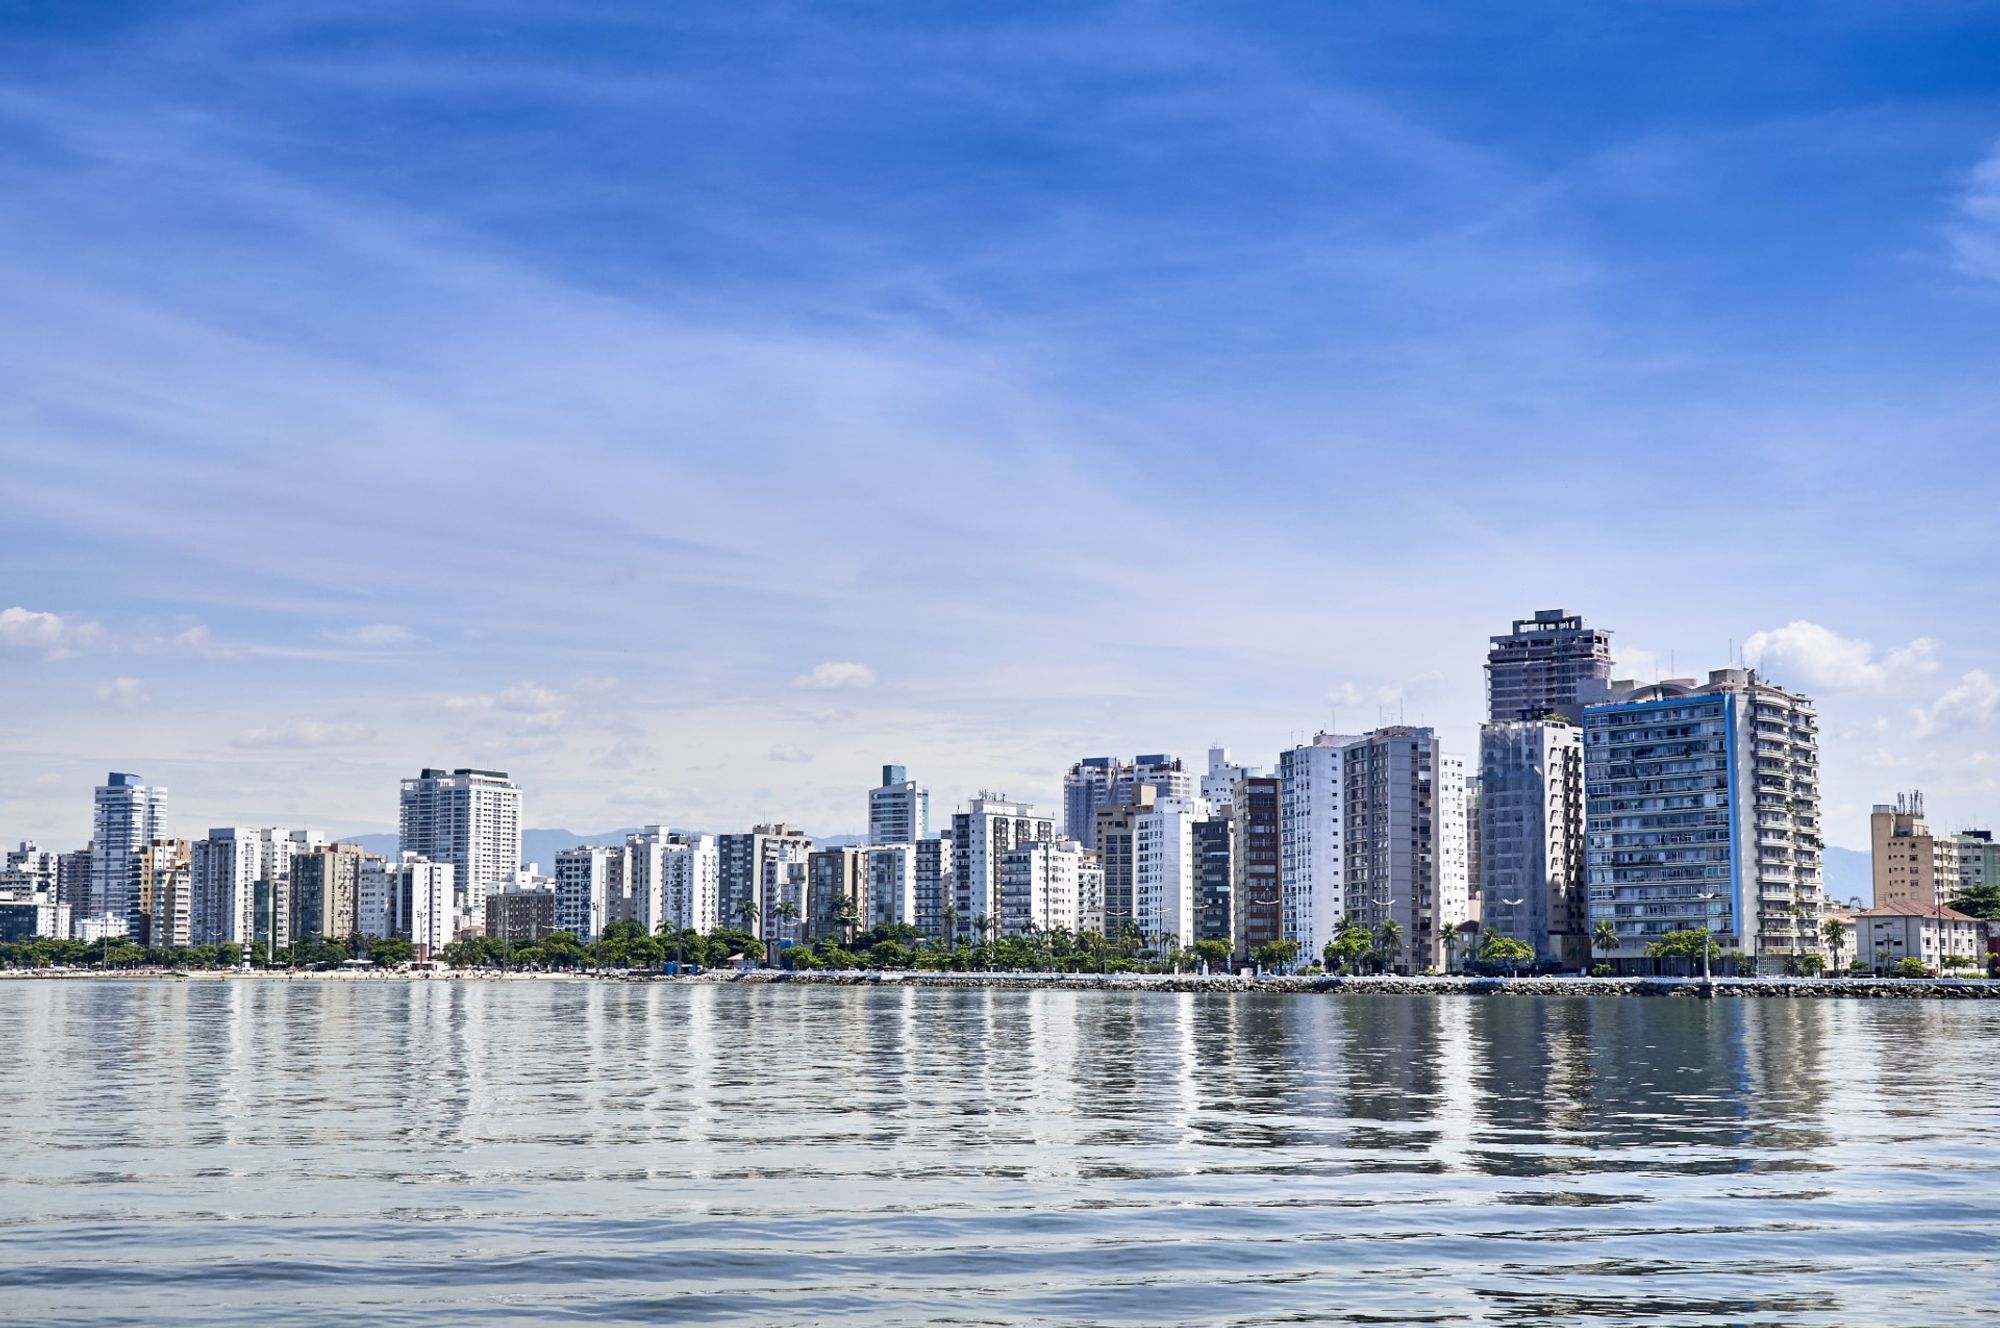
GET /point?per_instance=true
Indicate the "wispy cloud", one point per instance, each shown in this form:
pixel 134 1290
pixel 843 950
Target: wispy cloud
pixel 1815 657
pixel 1975 230
pixel 304 734
pixel 122 693
pixel 29 632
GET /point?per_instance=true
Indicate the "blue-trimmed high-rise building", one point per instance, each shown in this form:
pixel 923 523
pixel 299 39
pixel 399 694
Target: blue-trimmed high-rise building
pixel 1702 810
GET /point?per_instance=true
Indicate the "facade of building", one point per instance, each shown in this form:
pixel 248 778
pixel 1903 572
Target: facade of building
pixel 1978 859
pixel 27 919
pixel 836 881
pixel 1549 664
pixel 1214 875
pixel 1312 858
pixel 126 815
pixel 935 879
pixel 31 873
pixel 756 871
pixel 1933 935
pixel 981 835
pixel 1256 885
pixel 424 904
pixel 165 907
pixel 1218 783
pixel 470 819
pixel 1165 871
pixel 372 890
pixel 1086 788
pixel 892 885
pixel 674 878
pixel 1531 860
pixel 1117 854
pixel 1910 863
pixel 326 892
pixel 1702 811
pixel 587 878
pixel 1041 886
pixel 899 809
pixel 1405 849
pixel 520 916
pixel 241 884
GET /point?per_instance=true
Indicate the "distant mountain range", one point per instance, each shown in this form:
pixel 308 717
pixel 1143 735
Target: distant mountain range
pixel 1849 873
pixel 541 846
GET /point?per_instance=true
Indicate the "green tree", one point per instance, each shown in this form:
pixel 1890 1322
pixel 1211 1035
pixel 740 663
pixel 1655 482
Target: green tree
pixel 1499 948
pixel 746 913
pixel 1834 932
pixel 1276 954
pixel 1909 966
pixel 1389 942
pixel 785 913
pixel 846 916
pixel 1979 901
pixel 1687 944
pixel 1604 936
pixel 1348 951
pixel 1213 953
pixel 951 925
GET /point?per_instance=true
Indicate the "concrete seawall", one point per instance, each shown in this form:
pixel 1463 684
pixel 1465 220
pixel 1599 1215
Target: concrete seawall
pixel 1786 988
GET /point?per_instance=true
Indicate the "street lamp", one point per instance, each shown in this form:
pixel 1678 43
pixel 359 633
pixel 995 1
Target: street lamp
pixel 1514 969
pixel 1705 933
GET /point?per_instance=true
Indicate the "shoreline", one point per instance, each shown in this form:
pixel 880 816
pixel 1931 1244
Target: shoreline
pixel 1849 988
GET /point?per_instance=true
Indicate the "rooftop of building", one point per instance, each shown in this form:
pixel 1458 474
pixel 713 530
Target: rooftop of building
pixel 1905 908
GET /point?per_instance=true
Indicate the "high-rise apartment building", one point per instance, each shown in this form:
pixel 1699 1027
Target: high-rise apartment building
pixel 1312 790
pixel 1550 663
pixel 981 836
pixel 424 904
pixel 1256 888
pixel 761 869
pixel 1041 886
pixel 836 882
pixel 372 896
pixel 241 884
pixel 1165 870
pixel 935 882
pixel 31 872
pixel 520 914
pixel 164 908
pixel 1214 877
pixel 1702 811
pixel 899 809
pixel 1116 827
pixel 587 878
pixel 1405 848
pixel 1978 859
pixel 1106 781
pixel 326 892
pixel 891 899
pixel 675 879
pixel 127 815
pixel 1910 863
pixel 1530 828
pixel 470 819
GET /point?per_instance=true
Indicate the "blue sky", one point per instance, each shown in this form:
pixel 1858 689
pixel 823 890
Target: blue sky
pixel 560 387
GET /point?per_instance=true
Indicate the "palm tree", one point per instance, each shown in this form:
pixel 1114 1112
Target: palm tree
pixel 1389 940
pixel 1834 932
pixel 847 913
pixel 747 913
pixel 980 924
pixel 784 912
pixel 951 926
pixel 1604 936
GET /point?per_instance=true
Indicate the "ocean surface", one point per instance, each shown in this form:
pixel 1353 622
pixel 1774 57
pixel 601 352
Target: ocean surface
pixel 267 1152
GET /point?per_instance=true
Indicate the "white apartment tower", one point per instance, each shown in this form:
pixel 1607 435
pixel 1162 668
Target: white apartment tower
pixel 1165 870
pixel 1042 886
pixel 127 815
pixel 423 903
pixel 899 809
pixel 1312 871
pixel 891 881
pixel 586 878
pixel 981 836
pixel 470 819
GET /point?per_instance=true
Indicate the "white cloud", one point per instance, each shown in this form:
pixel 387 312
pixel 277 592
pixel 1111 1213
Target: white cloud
pixel 372 634
pixel 27 632
pixel 122 693
pixel 1968 705
pixel 836 673
pixel 302 734
pixel 1975 235
pixel 526 707
pixel 1808 655
pixel 797 755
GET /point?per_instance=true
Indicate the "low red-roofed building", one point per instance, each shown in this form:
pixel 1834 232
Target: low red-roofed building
pixel 1901 929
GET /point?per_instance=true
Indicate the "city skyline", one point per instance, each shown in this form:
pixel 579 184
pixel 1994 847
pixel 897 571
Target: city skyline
pixel 1796 650
pixel 691 414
